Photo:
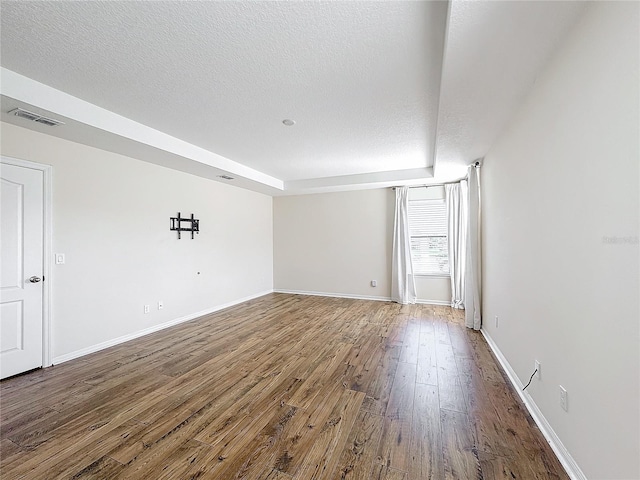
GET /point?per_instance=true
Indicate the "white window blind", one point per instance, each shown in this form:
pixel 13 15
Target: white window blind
pixel 428 232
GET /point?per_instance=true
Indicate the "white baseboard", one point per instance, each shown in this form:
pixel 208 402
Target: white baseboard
pixel 358 297
pixel 567 461
pixel 130 336
pixel 443 303
pixel 336 295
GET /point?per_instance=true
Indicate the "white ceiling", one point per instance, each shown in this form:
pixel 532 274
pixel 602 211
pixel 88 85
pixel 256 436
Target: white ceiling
pixel 203 87
pixel 495 49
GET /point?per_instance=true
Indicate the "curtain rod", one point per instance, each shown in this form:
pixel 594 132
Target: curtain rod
pixel 434 184
pixel 476 164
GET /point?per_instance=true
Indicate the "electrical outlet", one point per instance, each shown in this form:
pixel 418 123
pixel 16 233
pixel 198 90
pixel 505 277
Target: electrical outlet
pixel 496 321
pixel 374 283
pixel 146 309
pixel 563 399
pixel 59 258
pixel 537 369
pixel 160 305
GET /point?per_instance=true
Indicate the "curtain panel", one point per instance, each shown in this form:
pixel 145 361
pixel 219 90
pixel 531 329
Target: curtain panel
pixel 403 286
pixel 473 275
pixel 456 202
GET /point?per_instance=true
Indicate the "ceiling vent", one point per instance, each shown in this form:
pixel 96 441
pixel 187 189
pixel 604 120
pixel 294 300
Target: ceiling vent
pixel 34 117
pixel 225 177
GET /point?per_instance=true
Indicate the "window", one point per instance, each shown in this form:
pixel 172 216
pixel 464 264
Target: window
pixel 428 232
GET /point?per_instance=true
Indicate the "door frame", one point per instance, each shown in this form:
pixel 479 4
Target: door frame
pixel 47 246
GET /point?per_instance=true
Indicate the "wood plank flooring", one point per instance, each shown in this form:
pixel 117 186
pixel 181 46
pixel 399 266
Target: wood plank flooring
pixel 281 387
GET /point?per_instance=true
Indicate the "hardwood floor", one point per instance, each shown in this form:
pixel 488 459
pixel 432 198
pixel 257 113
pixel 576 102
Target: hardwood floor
pixel 282 387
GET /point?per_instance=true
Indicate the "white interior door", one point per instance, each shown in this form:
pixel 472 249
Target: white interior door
pixel 21 266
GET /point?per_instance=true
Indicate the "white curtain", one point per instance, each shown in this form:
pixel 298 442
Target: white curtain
pixel 473 274
pixel 456 197
pixel 403 286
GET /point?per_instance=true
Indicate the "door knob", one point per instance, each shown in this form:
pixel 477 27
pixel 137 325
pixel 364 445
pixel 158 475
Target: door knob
pixel 34 279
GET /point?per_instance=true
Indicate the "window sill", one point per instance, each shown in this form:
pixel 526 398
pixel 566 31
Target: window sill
pixel 433 275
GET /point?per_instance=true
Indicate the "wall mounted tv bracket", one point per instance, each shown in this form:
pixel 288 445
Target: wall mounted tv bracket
pixel 180 224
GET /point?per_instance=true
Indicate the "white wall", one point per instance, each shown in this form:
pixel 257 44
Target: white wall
pixel 111 219
pixel 336 243
pixel 562 179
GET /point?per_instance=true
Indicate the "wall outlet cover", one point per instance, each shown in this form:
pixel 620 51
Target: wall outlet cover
pixel 564 400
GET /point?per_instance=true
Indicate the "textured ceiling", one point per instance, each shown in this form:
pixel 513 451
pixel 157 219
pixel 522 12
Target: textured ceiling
pixel 380 91
pixel 361 79
pixel 494 52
